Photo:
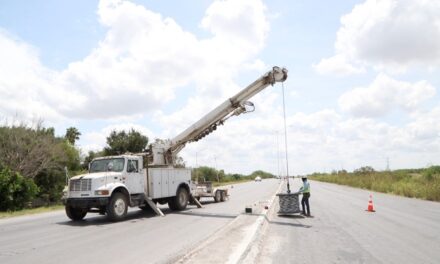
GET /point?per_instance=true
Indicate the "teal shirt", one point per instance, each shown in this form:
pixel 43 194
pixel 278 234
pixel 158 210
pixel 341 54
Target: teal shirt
pixel 305 188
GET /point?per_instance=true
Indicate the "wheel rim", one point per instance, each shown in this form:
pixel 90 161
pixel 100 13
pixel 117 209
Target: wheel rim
pixel 120 207
pixel 182 198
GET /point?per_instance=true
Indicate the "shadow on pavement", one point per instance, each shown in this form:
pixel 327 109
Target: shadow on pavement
pixel 206 214
pixel 289 223
pixel 98 220
pixel 209 202
pixel 292 216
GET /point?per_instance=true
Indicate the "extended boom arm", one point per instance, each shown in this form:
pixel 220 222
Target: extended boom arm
pixel 234 106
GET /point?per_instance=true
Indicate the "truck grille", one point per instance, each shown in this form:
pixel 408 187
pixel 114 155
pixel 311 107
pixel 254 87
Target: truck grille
pixel 80 185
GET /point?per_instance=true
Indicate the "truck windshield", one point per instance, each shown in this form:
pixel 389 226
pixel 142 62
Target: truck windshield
pixel 101 165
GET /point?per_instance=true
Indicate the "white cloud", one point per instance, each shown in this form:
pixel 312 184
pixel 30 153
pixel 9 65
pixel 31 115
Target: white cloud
pixel 96 140
pixel 243 22
pixel 338 65
pixel 22 80
pixel 138 66
pixel 318 141
pixel 385 94
pixel 332 143
pixel 386 34
pixel 145 58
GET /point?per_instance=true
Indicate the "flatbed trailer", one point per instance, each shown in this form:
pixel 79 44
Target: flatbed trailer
pixel 205 189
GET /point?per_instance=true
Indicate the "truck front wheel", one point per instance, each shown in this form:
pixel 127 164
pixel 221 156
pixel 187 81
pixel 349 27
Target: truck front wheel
pixel 76 214
pixel 117 207
pixel 180 201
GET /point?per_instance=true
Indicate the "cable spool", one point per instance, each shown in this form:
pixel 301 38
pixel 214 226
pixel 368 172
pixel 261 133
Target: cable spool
pixel 289 203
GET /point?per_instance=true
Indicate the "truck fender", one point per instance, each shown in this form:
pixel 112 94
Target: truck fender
pixel 118 187
pixel 112 186
pixel 184 185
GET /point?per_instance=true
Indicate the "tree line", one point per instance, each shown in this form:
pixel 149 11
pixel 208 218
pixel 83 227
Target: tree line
pixel 32 164
pixel 204 174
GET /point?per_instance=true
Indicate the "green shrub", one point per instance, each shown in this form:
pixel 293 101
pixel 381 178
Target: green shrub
pixel 16 191
pixel 50 184
pixel 431 172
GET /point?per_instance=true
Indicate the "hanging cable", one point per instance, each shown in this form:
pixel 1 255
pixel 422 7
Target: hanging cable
pixel 285 139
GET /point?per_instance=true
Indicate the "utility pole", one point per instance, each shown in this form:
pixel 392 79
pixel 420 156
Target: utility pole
pixel 388 164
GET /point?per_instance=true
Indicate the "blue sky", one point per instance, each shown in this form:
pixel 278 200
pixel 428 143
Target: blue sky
pixel 362 86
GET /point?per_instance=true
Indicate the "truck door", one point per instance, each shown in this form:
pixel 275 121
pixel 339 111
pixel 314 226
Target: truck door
pixel 135 179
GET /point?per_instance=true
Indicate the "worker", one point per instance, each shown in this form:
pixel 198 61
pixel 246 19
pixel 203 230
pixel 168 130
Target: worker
pixel 305 190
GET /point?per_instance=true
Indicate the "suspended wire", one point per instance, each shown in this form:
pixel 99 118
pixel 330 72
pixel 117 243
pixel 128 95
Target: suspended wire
pixel 285 139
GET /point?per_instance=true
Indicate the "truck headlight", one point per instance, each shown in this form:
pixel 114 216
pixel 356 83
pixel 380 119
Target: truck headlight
pixel 101 192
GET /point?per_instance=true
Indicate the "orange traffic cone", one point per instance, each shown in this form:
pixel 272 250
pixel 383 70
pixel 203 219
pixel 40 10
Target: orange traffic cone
pixel 370 205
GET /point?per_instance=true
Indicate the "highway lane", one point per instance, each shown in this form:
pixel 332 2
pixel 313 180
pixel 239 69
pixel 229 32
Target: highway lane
pixel 402 230
pixel 142 238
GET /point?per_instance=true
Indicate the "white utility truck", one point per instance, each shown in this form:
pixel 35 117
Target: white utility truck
pixel 116 182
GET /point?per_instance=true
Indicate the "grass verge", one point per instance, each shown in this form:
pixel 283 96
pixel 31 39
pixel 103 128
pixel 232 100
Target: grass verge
pixel 216 184
pixel 30 211
pixel 418 183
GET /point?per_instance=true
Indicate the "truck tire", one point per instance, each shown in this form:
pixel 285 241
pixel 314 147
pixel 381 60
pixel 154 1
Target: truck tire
pixel 217 196
pixel 117 207
pixel 223 196
pixel 76 214
pixel 180 201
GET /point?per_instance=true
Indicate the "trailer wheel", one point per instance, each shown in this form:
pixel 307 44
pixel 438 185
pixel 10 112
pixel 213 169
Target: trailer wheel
pixel 76 214
pixel 218 196
pixel 180 201
pixel 117 208
pixel 223 196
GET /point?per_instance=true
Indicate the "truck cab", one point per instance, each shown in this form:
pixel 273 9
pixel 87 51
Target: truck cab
pixel 108 177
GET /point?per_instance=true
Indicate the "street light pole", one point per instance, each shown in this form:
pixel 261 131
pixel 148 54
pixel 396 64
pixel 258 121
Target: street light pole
pixel 216 171
pixel 197 170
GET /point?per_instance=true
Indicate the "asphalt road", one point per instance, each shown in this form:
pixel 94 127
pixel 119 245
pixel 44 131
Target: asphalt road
pixel 402 230
pixel 142 238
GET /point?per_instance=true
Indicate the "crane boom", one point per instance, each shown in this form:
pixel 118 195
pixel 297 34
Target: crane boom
pixel 233 106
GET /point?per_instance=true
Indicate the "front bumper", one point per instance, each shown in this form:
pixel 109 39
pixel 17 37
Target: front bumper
pixel 86 202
